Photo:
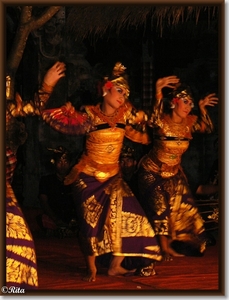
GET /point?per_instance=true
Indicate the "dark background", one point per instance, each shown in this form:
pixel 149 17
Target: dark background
pixel 191 51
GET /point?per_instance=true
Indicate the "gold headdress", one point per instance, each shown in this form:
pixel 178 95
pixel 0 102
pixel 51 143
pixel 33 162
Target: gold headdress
pixel 184 94
pixel 118 78
pixel 181 91
pixel 119 69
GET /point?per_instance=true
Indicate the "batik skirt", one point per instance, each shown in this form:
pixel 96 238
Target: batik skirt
pixel 21 264
pixel 171 208
pixel 111 219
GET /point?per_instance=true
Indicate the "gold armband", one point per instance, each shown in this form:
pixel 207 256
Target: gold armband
pixel 47 88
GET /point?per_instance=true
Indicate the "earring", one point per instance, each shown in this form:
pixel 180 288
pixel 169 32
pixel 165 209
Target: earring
pixel 172 106
pixel 104 93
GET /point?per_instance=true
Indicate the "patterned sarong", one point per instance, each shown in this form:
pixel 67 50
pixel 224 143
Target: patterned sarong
pixel 112 220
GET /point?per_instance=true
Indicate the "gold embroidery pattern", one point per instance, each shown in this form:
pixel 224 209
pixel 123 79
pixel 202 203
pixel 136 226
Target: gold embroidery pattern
pixel 135 225
pixel 157 249
pixel 188 218
pixel 103 246
pixel 92 211
pixel 121 224
pixel 150 178
pixel 124 224
pixel 116 220
pixel 158 200
pixel 173 129
pixel 161 227
pixel 20 273
pixel 23 251
pixel 80 185
pixel 119 184
pixel 111 120
pixel 16 228
pixel 145 180
pixel 110 148
pixel 215 215
pixel 13 223
pixel 183 215
pixel 169 186
pixel 117 190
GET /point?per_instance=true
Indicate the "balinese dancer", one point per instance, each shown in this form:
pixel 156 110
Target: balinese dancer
pixel 110 217
pixel 21 264
pixel 165 194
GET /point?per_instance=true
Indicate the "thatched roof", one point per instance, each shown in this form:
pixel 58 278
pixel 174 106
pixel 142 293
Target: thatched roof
pixel 99 19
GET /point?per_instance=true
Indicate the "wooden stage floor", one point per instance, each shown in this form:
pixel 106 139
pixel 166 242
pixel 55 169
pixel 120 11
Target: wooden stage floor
pixel 61 268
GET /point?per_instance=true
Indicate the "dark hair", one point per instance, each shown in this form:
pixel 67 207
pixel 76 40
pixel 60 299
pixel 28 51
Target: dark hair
pixel 178 89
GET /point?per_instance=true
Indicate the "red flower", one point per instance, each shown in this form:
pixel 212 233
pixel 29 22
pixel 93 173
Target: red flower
pixel 108 85
pixel 175 100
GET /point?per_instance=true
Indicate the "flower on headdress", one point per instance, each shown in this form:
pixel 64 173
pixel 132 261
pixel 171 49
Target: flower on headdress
pixel 175 100
pixel 119 69
pixel 108 85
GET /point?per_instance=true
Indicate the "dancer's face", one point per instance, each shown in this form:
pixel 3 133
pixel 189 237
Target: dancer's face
pixel 115 97
pixel 183 107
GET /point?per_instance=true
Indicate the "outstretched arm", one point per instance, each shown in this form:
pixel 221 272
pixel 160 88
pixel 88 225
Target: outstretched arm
pixel 53 75
pixel 21 108
pixel 204 123
pixel 51 78
pixel 64 119
pixel 209 100
pixel 168 82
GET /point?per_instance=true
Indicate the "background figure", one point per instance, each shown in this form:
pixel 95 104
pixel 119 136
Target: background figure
pixel 128 163
pixel 111 221
pixel 209 189
pixel 21 263
pixel 165 193
pixel 56 199
pixel 129 158
pixel 208 201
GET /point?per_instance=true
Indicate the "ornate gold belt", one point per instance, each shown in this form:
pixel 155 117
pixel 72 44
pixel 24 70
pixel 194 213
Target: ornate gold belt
pixel 164 170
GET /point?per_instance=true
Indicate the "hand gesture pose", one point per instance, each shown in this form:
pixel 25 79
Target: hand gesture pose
pixel 169 82
pixel 56 72
pixel 209 100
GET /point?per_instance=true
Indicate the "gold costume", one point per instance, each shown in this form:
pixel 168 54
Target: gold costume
pixel 103 147
pixel 110 217
pixel 21 264
pixel 163 187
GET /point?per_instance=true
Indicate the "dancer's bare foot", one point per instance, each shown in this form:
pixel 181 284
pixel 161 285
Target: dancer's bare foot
pixel 170 252
pixel 91 268
pixel 117 271
pixel 167 257
pixel 91 275
pixel 167 250
pixel 89 278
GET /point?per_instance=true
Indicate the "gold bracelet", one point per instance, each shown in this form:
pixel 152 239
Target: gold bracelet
pixel 47 88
